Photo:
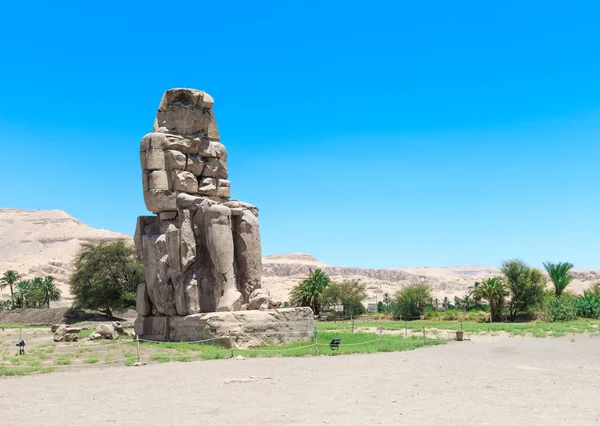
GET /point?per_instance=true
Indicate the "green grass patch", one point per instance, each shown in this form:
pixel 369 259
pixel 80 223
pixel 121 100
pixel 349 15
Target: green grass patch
pixel 84 334
pixel 534 328
pixel 21 371
pixel 62 360
pixel 91 359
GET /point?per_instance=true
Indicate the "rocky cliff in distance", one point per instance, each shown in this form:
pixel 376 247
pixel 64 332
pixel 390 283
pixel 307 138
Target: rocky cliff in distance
pixel 281 272
pixel 43 242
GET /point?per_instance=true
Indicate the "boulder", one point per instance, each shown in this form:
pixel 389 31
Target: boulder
pixel 95 336
pixel 62 334
pixel 258 300
pixel 107 331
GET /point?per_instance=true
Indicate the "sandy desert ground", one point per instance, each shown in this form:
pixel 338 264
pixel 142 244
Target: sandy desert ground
pixel 485 381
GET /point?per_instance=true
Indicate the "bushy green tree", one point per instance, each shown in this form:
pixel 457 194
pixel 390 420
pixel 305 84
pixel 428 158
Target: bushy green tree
pixel 308 291
pixel 106 276
pixel 412 300
pixel 559 274
pixel 494 291
pixel 525 286
pixel 350 294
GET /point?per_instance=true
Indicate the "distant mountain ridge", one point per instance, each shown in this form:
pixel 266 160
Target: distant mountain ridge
pixel 281 272
pixel 44 242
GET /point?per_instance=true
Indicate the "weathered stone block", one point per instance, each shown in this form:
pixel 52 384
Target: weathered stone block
pixel 194 165
pixel 175 160
pixel 155 159
pixel 223 188
pixel 158 201
pixel 158 180
pixel 214 167
pixel 184 181
pixel 207 186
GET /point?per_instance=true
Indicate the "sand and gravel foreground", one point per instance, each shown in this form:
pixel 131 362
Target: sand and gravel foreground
pixel 486 381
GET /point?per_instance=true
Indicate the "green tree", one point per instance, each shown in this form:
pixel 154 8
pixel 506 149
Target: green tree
pixel 9 279
pixel 106 276
pixel 412 300
pixel 308 291
pixel 525 285
pixel 50 292
pixel 559 274
pixel 494 291
pixel 22 293
pixel 350 294
pixel 387 299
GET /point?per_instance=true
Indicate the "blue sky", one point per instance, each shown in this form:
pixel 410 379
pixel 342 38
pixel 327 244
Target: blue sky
pixel 378 134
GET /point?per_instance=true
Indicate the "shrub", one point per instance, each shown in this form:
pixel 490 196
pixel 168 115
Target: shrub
pixel 412 300
pixel 350 294
pixel 454 315
pixel 561 309
pixel 588 305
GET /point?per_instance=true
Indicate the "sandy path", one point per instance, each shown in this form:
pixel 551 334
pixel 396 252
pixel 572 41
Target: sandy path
pixel 490 380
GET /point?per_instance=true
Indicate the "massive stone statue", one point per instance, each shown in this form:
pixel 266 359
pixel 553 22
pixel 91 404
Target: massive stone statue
pixel 202 251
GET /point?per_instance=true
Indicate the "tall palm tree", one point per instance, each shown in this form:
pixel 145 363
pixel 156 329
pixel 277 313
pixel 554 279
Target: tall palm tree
pixel 494 291
pixel 22 293
pixel 308 291
pixel 49 290
pixel 559 274
pixel 9 279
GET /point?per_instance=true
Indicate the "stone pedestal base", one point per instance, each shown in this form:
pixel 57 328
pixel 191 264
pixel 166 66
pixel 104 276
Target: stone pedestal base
pixel 240 329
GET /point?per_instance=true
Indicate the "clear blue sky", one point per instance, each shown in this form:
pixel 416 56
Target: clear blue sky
pixel 372 134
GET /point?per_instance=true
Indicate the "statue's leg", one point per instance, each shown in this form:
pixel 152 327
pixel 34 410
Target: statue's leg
pixel 219 242
pixel 246 238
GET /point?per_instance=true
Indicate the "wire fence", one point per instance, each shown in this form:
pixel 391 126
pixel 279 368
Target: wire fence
pixel 141 351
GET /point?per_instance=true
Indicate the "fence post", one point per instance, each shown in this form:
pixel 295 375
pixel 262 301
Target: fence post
pixel 231 346
pixel 405 329
pixel 316 343
pixel 137 341
pixel 379 345
pixel 424 338
pixel 352 323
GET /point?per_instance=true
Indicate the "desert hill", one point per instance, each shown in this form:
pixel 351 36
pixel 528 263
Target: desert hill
pixel 281 272
pixel 43 242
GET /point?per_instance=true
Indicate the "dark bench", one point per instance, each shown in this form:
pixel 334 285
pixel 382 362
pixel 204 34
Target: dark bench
pixel 335 344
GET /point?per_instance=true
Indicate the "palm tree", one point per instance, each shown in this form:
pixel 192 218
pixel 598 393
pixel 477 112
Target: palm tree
pixel 559 274
pixel 446 303
pixel 9 279
pixel 22 293
pixel 308 291
pixel 494 291
pixel 49 290
pixel 387 299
